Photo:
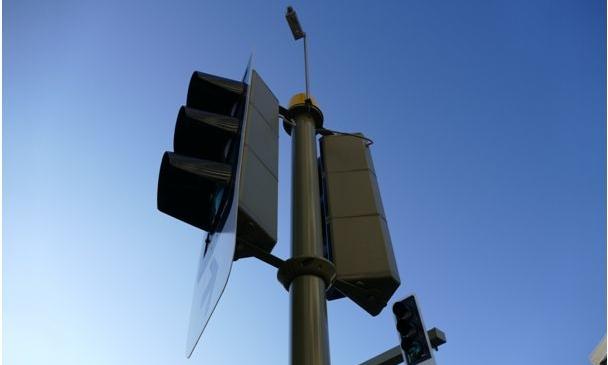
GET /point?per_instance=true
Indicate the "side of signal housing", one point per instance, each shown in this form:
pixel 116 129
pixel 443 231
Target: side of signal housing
pixel 356 233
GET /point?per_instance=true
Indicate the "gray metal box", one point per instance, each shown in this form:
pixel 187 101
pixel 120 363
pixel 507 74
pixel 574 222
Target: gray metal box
pixel 359 242
pixel 257 219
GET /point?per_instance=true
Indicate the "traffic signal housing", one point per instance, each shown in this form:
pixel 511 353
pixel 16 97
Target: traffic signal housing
pixel 356 234
pixel 197 181
pixel 414 344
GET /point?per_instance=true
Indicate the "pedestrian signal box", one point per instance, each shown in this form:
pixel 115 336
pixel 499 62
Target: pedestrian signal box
pixel 356 233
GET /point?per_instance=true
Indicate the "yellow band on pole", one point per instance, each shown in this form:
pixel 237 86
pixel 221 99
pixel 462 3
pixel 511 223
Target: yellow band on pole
pixel 300 99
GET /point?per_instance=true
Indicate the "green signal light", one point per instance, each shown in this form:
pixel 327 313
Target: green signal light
pixel 414 351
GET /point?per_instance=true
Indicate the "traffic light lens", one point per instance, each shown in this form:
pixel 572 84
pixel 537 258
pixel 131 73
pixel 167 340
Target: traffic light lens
pixel 406 329
pixel 413 351
pixel 399 308
pixel 402 311
pixel 217 201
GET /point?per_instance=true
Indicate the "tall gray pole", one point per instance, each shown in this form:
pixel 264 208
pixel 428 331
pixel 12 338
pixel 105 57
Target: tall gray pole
pixel 309 335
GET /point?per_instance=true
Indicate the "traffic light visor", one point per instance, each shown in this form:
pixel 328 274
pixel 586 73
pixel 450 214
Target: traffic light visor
pixel 204 135
pixel 188 188
pixel 214 94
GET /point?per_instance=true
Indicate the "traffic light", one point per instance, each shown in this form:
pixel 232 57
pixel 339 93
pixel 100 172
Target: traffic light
pixel 195 180
pixel 226 129
pixel 414 342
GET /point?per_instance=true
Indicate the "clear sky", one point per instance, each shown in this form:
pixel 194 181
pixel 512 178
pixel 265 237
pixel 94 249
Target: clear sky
pixel 489 122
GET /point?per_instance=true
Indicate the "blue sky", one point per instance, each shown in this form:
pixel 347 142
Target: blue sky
pixel 489 122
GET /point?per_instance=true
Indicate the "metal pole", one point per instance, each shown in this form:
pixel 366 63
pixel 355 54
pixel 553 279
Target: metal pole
pixel 306 66
pixel 309 335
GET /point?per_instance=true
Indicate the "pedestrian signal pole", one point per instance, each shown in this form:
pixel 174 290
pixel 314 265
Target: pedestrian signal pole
pixel 310 274
pixel 313 274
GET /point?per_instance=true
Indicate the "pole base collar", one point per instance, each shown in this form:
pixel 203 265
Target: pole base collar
pixel 304 265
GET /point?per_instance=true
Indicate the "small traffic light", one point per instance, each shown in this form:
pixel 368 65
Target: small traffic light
pixel 414 342
pixel 227 129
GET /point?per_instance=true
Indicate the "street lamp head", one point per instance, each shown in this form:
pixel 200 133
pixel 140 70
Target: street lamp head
pixel 294 24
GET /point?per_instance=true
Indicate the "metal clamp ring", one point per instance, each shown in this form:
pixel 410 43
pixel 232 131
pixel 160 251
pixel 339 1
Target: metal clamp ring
pixel 304 265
